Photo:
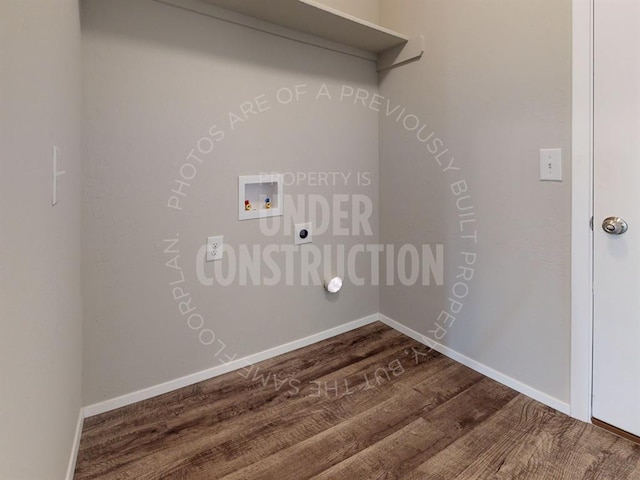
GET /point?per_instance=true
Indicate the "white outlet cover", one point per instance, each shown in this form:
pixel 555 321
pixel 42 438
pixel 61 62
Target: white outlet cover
pixel 299 227
pixel 551 164
pixel 215 247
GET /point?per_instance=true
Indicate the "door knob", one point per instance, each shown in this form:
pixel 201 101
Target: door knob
pixel 615 225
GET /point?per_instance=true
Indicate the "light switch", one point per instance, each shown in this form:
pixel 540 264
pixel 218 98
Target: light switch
pixel 56 175
pixel 551 164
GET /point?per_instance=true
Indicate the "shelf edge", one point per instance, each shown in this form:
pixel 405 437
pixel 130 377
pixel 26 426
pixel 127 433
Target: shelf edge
pixel 207 9
pixel 354 19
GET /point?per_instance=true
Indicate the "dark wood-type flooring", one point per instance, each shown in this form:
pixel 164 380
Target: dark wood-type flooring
pixel 368 404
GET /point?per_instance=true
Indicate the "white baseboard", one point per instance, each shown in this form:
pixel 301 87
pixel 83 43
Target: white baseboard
pixel 193 378
pixel 71 468
pixel 166 387
pixel 479 367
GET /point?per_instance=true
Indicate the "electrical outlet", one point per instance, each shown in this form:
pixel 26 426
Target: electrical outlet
pixel 215 247
pixel 302 233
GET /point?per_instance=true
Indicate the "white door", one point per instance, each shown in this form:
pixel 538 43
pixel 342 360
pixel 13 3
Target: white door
pixel 616 349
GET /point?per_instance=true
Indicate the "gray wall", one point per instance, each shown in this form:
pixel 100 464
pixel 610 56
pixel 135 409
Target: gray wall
pixel 156 78
pixel 494 87
pixel 40 303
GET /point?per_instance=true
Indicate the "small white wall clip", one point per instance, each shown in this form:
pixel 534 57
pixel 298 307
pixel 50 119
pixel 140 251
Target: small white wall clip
pixel 56 174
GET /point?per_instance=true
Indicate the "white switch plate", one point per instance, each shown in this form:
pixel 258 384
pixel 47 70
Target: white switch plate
pixel 56 174
pixel 551 164
pixel 297 238
pixel 215 247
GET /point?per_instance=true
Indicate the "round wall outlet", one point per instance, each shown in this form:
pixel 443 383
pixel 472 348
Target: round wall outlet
pixel 302 233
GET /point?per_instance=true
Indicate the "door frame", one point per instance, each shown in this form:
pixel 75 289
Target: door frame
pixel 582 210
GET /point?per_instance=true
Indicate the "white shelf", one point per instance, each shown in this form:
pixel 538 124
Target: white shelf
pixel 313 23
pixel 313 18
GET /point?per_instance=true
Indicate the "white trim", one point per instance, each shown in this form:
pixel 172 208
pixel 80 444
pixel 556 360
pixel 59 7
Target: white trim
pixel 581 212
pixel 479 367
pixel 191 379
pixel 71 467
pixel 166 387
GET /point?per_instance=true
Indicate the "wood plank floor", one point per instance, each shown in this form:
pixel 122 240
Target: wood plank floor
pixel 369 404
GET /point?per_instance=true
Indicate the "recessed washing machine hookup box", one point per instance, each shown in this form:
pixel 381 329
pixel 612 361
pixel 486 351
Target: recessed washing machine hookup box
pixel 260 196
